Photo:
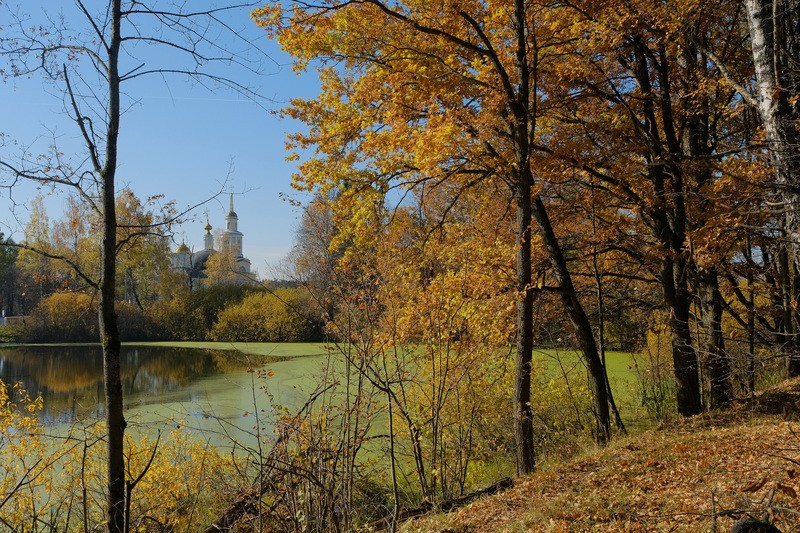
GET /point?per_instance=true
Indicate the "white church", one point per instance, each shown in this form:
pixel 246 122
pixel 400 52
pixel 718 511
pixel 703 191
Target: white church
pixel 194 263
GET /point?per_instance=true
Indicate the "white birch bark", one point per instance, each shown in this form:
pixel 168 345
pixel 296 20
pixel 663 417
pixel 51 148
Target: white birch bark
pixel 776 114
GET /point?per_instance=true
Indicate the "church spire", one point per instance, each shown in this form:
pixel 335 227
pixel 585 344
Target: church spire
pixel 231 213
pixel 232 220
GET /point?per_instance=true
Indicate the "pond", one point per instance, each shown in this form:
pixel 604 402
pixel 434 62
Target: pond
pixel 211 391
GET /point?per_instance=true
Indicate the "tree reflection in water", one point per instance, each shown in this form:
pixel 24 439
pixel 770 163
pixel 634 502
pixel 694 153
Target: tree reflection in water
pixel 70 378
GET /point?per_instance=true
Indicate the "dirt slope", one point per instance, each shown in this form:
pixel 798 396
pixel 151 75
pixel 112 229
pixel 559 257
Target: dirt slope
pixel 696 475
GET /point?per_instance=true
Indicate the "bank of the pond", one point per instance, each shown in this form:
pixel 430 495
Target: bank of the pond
pixel 209 392
pixel 698 474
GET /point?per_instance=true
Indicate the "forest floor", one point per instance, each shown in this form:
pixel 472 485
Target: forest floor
pixel 698 474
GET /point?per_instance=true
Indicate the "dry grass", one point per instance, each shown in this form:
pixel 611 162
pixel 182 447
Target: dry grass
pixel 696 475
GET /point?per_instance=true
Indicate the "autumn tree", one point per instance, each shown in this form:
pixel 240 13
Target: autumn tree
pixel 143 256
pixel 74 236
pixel 38 276
pixel 774 46
pixel 424 95
pixel 753 57
pixel 651 127
pixel 57 251
pixel 222 268
pixel 448 324
pixel 426 322
pixel 312 262
pixel 90 66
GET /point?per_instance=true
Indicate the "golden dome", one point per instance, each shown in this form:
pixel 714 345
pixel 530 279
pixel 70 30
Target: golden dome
pixel 183 249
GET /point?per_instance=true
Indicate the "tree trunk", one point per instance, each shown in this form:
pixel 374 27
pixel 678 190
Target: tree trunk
pixel 788 331
pixel 684 357
pixel 580 322
pixel 668 215
pixel 751 321
pixel 716 358
pixel 697 143
pixel 601 323
pixel 109 334
pixel 523 411
pixel 524 109
pixel 777 117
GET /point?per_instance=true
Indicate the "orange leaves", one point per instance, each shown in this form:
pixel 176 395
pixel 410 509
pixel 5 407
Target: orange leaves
pixel 405 100
pixel 674 479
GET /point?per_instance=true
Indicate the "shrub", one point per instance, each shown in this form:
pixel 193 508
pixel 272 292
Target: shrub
pixel 23 457
pixel 63 317
pixel 169 319
pixel 563 417
pixel 282 315
pixel 9 333
pixel 655 377
pixel 135 325
pixel 278 316
pixel 72 317
pixel 190 316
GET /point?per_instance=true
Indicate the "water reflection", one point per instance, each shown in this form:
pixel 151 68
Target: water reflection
pixel 70 378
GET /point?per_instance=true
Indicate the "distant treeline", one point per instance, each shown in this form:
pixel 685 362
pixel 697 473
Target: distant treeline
pixel 280 313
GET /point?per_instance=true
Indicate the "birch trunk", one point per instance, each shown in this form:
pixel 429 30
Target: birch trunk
pixel 776 114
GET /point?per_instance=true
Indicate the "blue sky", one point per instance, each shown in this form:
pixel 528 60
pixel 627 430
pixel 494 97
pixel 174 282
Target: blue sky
pixel 182 141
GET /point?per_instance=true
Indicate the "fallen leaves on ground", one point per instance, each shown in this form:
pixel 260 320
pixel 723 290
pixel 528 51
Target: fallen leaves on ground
pixel 700 474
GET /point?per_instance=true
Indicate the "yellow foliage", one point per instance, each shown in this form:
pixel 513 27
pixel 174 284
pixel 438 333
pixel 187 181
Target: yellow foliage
pixel 184 486
pixel 25 465
pixel 281 315
pixel 62 479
